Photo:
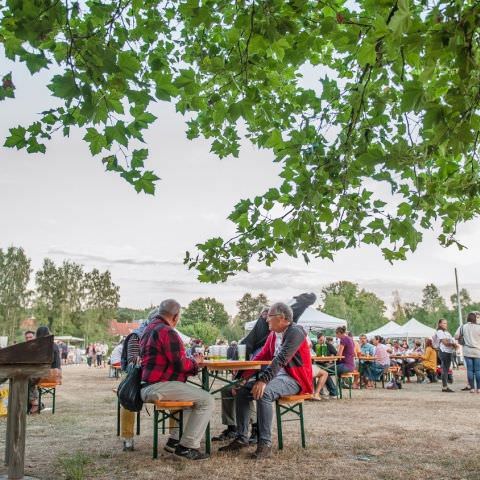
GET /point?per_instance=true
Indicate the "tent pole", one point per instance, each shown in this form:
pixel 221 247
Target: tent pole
pixel 459 307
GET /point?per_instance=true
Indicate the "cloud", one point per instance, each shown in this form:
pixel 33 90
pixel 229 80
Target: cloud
pixel 86 257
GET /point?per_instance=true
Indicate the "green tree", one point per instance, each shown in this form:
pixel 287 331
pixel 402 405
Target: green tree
pixel 205 310
pixel 101 301
pixel 363 310
pixel 60 292
pixel 249 307
pixel 432 300
pixel 465 299
pixel 397 107
pixel 233 331
pixel 14 294
pixel 206 332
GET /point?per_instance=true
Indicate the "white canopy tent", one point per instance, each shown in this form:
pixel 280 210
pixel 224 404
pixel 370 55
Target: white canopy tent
pixel 412 329
pixel 185 338
pixel 68 339
pixel 386 330
pixel 312 319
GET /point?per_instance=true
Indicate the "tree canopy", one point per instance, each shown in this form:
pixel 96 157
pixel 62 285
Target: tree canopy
pixel 205 310
pixel 363 310
pixel 384 148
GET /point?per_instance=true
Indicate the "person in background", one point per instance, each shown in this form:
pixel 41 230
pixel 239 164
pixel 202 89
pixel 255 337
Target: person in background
pixel 116 356
pixel 55 372
pixel 29 335
pixel 320 376
pixel 471 350
pixel 98 354
pixel 366 350
pixel 409 364
pixel 331 350
pixel 90 352
pixel 447 346
pixel 375 370
pixel 346 349
pixel 232 351
pixel 165 369
pixel 428 365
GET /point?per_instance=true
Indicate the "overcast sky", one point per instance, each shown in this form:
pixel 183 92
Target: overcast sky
pixel 64 206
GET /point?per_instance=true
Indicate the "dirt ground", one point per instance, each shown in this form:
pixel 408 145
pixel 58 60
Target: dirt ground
pixel 414 433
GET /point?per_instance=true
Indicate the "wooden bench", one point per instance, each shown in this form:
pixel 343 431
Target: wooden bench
pixel 47 387
pixel 167 410
pixel 348 378
pixel 293 404
pixel 114 390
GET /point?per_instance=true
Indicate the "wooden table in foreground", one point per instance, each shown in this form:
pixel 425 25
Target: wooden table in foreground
pixel 19 363
pixel 327 359
pixel 213 369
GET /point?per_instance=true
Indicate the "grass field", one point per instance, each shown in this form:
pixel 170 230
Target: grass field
pixel 415 433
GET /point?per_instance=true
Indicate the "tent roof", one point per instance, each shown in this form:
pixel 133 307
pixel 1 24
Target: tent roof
pixel 68 338
pixel 388 328
pixel 312 318
pixel 412 329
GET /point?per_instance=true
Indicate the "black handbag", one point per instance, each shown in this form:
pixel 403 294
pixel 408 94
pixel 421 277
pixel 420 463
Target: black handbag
pixel 461 338
pixel 128 391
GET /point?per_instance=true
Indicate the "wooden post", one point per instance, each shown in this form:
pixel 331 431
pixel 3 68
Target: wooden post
pixel 18 412
pixel 19 363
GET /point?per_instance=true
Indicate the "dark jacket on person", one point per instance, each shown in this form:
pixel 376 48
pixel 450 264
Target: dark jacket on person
pixel 257 337
pixel 232 352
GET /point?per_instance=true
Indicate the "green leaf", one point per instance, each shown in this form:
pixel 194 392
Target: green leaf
pixel 16 138
pixel 64 86
pixel 146 183
pixel 128 63
pixel 401 20
pixel 280 228
pixel 367 54
pixel 138 158
pixel 96 140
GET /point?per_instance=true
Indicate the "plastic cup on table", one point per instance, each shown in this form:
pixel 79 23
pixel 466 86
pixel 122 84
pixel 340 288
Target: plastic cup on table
pixel 242 352
pixel 223 352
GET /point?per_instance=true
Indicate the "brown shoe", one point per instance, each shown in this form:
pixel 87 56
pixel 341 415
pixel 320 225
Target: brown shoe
pixel 234 446
pixel 263 451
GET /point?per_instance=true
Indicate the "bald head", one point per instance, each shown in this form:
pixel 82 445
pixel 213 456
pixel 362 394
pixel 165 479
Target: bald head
pixel 170 310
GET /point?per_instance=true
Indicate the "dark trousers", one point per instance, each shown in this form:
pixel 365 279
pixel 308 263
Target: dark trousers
pixel 446 361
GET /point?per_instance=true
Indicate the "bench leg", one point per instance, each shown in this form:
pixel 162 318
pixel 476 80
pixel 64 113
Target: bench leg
pixel 279 425
pixel 53 402
pixel 180 424
pixel 118 417
pixel 302 426
pixel 155 433
pixel 138 423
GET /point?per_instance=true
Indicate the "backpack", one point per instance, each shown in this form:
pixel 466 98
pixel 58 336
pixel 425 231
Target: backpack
pixel 124 357
pixel 128 391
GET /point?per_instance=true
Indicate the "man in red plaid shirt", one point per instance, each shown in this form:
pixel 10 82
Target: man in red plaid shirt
pixel 165 369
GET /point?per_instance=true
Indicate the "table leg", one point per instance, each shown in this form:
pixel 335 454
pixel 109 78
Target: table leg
pixel 205 386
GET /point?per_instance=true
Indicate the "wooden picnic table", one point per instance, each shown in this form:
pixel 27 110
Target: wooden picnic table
pixel 415 356
pixel 367 358
pixel 327 359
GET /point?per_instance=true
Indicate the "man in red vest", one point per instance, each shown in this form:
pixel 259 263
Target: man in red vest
pixel 289 373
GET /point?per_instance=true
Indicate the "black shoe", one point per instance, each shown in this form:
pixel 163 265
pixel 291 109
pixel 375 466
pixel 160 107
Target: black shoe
pixel 467 388
pixel 190 453
pixel 253 436
pixel 228 434
pixel 171 445
pixel 447 389
pixel 234 446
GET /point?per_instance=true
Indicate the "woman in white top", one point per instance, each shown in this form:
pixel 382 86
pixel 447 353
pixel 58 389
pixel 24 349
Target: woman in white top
pixel 447 346
pixel 471 350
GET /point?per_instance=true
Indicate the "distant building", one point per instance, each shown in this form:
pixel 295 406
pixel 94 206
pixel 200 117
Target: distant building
pixel 122 329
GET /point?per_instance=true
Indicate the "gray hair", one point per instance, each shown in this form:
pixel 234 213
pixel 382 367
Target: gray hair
pixel 169 307
pixel 281 308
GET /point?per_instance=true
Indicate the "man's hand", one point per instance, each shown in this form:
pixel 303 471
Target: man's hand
pixel 258 390
pixel 198 357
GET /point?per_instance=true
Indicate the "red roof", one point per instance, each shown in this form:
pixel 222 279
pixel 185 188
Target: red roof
pixel 122 329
